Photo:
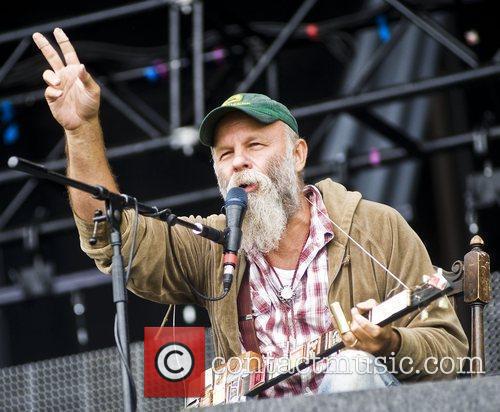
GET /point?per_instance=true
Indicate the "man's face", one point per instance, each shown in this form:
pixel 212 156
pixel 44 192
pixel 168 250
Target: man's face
pixel 243 143
pixel 262 159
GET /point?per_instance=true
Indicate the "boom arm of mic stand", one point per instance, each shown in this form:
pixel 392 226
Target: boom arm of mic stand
pixel 115 203
pixel 118 199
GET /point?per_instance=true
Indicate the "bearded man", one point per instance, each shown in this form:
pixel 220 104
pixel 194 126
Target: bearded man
pixel 296 257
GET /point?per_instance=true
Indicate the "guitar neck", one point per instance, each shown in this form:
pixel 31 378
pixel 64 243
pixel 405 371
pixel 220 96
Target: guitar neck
pixel 338 345
pixel 230 387
pixel 386 312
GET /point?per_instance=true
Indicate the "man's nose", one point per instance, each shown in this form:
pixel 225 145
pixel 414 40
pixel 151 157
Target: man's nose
pixel 241 162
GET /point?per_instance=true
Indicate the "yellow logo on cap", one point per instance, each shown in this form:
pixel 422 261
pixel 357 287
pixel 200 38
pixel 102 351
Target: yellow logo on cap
pixel 233 100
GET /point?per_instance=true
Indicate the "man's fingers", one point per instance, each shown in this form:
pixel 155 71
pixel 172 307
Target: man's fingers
pixel 358 331
pixel 371 330
pixel 85 77
pixel 52 94
pixel 87 80
pixel 48 51
pixel 67 49
pixel 350 340
pixel 51 78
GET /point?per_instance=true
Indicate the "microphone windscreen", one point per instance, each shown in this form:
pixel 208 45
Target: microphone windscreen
pixel 237 196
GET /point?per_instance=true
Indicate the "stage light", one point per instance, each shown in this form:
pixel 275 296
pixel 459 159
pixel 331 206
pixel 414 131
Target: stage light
pixel 384 31
pixel 11 134
pixel 219 54
pixel 161 68
pixel 150 74
pixel 184 138
pixel 312 31
pixel 375 157
pixel 7 111
pixel 189 314
pixel 472 37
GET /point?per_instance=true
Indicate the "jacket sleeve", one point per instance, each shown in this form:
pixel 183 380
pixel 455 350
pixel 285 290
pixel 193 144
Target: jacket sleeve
pixel 155 274
pixel 432 340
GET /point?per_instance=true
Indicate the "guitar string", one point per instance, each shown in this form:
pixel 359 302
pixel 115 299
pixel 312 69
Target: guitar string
pixel 361 247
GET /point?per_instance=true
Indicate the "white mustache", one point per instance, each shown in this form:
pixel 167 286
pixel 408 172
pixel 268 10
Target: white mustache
pixel 248 177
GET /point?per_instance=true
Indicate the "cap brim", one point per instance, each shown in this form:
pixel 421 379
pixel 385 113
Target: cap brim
pixel 207 127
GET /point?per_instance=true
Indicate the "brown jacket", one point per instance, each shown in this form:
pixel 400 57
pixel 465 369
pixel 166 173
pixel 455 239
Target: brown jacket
pixel 352 275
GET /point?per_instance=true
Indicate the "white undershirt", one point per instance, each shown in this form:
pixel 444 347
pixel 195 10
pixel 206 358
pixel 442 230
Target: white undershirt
pixel 285 275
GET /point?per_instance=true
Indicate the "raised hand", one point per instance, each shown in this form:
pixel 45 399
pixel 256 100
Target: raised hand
pixel 72 94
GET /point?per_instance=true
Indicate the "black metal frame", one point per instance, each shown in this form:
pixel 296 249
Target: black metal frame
pixel 355 103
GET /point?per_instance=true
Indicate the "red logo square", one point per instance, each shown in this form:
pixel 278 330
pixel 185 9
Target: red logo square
pixel 174 362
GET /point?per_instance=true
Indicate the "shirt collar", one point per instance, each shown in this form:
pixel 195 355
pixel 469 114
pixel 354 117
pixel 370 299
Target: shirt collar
pixel 321 228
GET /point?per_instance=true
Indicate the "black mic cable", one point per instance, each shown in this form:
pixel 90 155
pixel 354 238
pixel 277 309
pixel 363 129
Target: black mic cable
pixel 235 205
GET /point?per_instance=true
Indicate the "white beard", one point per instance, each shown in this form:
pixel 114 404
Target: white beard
pixel 275 200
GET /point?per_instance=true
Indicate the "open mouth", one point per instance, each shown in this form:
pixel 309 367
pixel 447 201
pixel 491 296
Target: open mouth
pixel 251 187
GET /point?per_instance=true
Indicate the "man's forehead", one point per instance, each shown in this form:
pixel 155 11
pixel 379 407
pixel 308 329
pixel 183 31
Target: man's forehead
pixel 242 125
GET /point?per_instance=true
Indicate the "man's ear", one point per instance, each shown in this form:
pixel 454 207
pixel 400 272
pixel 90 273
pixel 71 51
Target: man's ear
pixel 300 153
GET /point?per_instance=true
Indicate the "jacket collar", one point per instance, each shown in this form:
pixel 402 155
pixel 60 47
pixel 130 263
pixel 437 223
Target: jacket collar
pixel 341 205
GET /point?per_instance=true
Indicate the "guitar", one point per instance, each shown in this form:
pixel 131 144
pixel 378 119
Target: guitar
pixel 230 388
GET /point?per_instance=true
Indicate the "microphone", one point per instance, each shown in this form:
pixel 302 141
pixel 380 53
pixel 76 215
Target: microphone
pixel 236 206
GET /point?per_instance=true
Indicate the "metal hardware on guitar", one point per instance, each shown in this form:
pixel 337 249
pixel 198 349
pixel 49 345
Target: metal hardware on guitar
pixel 253 382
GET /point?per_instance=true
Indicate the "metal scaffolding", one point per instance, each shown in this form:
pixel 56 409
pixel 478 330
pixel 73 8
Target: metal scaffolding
pixel 355 102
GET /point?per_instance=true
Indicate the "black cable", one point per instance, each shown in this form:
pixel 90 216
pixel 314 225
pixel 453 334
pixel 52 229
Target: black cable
pixel 134 239
pixel 124 362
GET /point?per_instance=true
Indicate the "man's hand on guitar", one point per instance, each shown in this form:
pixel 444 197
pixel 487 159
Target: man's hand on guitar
pixel 72 94
pixel 366 336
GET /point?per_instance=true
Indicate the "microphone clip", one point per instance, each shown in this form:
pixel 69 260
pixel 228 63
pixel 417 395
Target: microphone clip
pixel 98 218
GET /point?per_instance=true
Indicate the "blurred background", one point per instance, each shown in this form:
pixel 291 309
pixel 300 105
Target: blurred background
pixel 396 100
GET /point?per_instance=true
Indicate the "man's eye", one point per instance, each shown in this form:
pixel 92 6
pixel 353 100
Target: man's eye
pixel 255 144
pixel 223 155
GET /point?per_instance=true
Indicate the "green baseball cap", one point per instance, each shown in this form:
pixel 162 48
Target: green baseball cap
pixel 259 106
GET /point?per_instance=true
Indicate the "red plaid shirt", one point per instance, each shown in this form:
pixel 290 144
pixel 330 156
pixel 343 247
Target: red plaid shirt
pixel 282 327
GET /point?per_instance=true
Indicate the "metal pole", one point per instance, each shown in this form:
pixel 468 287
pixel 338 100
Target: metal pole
pixel 71 22
pixel 66 283
pixel 379 55
pixel 361 79
pixel 132 74
pixel 399 91
pixel 272 81
pixel 198 75
pixel 14 57
pixel 437 33
pixel 278 43
pixel 343 104
pixel 370 118
pixel 144 108
pixel 65 224
pixel 118 276
pixel 174 66
pixel 112 153
pixel 129 113
pixel 27 189
pixel 387 130
pixel 387 156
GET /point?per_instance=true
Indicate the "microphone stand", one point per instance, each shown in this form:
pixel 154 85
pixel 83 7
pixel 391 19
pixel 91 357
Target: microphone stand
pixel 115 204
